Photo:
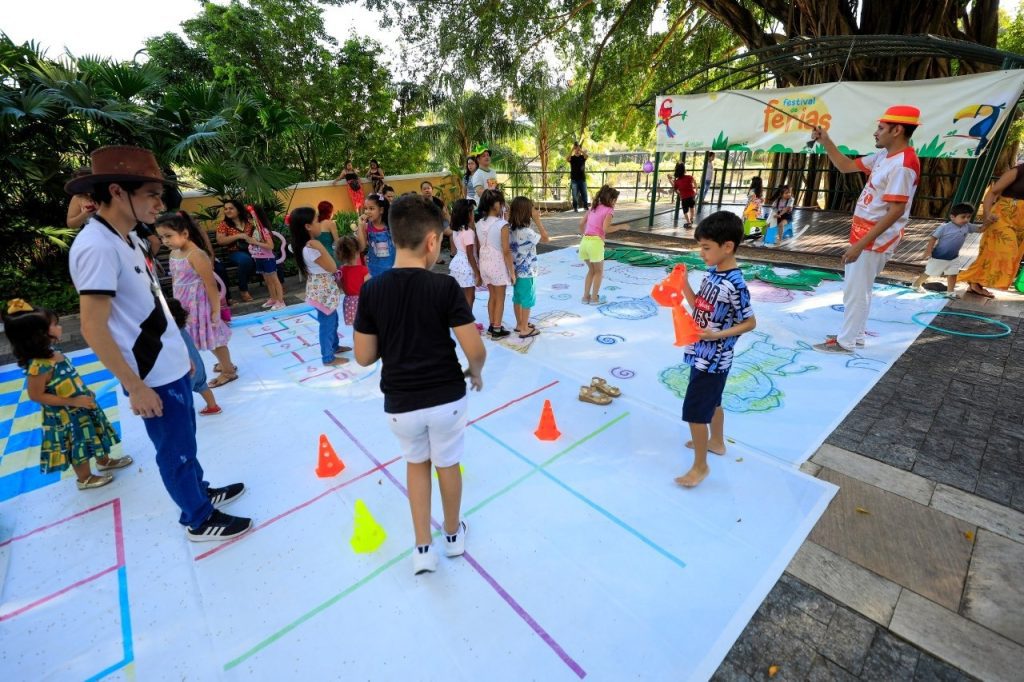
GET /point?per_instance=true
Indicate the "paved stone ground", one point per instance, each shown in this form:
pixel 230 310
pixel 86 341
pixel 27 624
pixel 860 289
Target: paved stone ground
pixel 808 636
pixel 951 410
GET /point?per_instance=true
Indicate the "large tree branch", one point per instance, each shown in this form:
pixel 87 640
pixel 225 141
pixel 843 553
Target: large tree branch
pixel 561 23
pixel 597 62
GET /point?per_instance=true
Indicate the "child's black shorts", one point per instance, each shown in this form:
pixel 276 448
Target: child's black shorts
pixel 703 395
pixel 687 204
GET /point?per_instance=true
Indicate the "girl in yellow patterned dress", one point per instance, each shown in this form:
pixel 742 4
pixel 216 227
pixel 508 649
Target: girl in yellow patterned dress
pixel 74 426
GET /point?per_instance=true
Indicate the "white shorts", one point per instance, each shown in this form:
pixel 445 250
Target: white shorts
pixel 942 268
pixel 433 434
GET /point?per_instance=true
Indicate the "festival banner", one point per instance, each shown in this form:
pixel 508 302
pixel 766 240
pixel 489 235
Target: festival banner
pixel 959 116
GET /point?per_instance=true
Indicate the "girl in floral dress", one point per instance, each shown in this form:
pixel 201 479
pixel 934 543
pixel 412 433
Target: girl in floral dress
pixel 464 267
pixel 74 427
pixel 322 291
pixel 194 285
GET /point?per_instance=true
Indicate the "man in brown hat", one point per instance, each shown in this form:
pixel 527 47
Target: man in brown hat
pixel 126 322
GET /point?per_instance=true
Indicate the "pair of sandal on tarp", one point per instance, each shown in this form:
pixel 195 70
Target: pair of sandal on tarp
pixel 599 392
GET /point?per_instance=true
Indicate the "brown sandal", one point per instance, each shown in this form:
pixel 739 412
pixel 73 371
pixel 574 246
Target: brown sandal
pixel 589 394
pixel 221 379
pixel 604 387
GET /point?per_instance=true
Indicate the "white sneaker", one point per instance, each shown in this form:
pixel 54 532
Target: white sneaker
pixel 269 302
pixel 424 562
pixel 279 305
pixel 455 545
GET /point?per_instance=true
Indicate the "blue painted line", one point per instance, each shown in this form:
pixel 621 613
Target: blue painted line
pixel 26 439
pixel 12 374
pixel 271 317
pixel 10 398
pixel 583 498
pixel 25 481
pixel 126 628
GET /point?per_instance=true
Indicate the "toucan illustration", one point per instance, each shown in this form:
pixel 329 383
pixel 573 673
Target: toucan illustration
pixel 988 113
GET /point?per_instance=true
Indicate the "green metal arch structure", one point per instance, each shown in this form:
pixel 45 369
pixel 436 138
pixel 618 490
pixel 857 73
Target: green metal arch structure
pixel 783 64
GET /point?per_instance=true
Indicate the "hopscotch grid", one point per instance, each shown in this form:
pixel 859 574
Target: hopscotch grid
pixel 127 645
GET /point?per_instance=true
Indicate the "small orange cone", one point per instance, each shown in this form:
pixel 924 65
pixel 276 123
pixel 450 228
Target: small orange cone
pixel 686 327
pixel 330 464
pixel 547 429
pixel 669 292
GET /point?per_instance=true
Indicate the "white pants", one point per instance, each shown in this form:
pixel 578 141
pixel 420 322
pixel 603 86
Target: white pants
pixel 432 434
pixel 859 279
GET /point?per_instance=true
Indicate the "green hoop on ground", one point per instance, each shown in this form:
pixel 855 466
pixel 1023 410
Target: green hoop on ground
pixel 1005 327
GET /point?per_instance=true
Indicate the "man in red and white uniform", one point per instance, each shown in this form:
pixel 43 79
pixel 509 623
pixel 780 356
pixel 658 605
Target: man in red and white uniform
pixel 881 214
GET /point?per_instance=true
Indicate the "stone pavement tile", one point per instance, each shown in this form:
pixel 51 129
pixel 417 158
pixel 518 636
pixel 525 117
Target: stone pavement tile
pixel 728 672
pixel 881 447
pixel 847 640
pixel 951 472
pixel 979 511
pixel 863 591
pixel 931 669
pixel 951 637
pixel 874 472
pixel 908 543
pixel 994 596
pixel 889 658
pixel 800 596
pixel 824 670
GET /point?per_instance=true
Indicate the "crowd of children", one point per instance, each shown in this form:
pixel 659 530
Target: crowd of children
pixel 395 303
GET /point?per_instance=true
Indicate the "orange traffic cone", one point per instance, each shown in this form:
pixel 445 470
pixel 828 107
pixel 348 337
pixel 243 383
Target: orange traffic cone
pixel 686 327
pixel 330 464
pixel 547 429
pixel 669 291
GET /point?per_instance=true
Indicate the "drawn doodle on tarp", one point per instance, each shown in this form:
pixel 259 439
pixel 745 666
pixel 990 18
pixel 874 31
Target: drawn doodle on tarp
pixel 548 323
pixel 629 308
pixel 752 384
pixel 766 293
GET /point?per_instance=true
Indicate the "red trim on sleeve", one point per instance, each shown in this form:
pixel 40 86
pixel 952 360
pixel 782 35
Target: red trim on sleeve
pixel 895 198
pixel 860 166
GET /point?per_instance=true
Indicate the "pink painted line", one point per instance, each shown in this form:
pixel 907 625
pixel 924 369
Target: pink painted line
pixel 516 607
pixel 38 602
pixel 276 337
pixel 118 533
pixel 297 356
pixel 316 375
pixel 296 508
pixel 511 402
pixel 57 523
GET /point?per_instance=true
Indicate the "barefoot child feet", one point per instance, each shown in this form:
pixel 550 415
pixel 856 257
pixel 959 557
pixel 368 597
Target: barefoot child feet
pixel 424 398
pixel 595 225
pixel 721 308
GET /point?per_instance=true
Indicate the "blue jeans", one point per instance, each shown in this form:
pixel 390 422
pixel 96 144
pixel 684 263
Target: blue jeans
pixel 328 335
pixel 578 190
pixel 246 266
pixel 174 436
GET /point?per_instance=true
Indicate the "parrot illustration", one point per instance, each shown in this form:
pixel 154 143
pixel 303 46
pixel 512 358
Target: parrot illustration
pixel 665 115
pixel 988 113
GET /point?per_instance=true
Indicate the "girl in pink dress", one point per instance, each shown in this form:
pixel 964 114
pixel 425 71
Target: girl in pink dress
pixel 496 268
pixel 195 287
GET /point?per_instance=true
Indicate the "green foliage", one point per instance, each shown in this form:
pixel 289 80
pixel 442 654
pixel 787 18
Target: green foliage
pixel 932 149
pixel 345 220
pixel 720 142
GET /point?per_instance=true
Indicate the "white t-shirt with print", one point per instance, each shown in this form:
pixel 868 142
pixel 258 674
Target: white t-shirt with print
pixel 481 177
pixel 104 263
pixel 890 179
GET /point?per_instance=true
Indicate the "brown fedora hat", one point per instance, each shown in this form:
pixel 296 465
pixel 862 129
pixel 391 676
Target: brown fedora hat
pixel 118 163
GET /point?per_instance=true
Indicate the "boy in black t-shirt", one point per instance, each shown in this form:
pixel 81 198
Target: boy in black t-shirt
pixel 405 319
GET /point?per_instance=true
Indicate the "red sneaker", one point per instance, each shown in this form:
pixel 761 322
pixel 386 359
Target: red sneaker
pixel 210 411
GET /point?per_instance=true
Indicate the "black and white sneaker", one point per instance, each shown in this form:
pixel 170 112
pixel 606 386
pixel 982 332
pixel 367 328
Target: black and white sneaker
pixel 220 526
pixel 221 497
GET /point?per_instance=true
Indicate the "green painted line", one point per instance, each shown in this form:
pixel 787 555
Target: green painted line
pixel 383 567
pixel 487 500
pixel 309 614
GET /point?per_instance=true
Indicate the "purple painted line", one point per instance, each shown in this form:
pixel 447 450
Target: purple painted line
pixel 488 578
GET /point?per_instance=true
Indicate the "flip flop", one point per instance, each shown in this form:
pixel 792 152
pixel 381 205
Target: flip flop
pixel 532 332
pixel 984 293
pixel 589 394
pixel 604 387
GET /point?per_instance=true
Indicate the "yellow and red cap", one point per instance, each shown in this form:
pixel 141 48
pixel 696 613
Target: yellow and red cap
pixel 902 113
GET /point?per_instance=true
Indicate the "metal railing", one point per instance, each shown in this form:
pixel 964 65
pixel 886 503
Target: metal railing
pixel 633 185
